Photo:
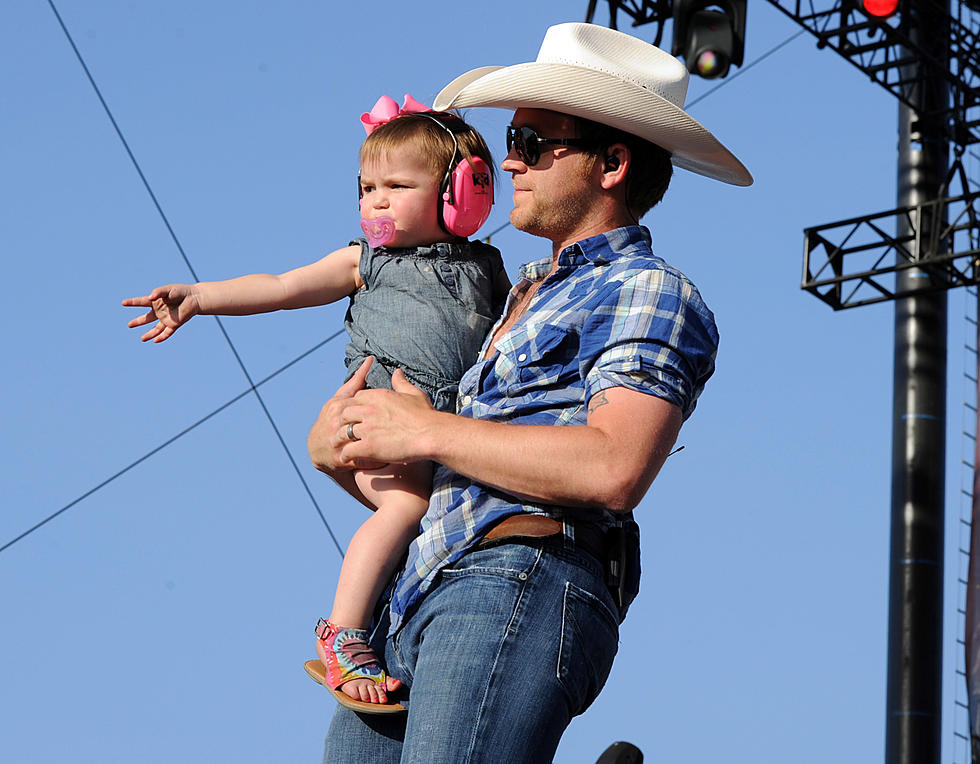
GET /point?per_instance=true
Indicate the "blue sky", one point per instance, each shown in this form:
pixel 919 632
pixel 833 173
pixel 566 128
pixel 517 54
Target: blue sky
pixel 166 616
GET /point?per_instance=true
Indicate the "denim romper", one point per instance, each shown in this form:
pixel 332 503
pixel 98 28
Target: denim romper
pixel 425 310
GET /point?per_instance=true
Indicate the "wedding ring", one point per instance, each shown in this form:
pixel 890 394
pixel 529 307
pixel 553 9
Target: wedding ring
pixel 350 432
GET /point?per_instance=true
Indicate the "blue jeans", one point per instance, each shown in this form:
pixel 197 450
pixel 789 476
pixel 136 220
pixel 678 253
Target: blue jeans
pixel 513 642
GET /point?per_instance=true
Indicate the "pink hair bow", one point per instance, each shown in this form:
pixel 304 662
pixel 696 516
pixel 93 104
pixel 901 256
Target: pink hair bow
pixel 386 109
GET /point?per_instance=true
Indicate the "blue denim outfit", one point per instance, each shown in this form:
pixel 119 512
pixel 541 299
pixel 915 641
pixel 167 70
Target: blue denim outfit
pixel 424 310
pixel 502 646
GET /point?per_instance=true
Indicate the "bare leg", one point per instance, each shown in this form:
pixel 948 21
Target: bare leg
pixel 401 495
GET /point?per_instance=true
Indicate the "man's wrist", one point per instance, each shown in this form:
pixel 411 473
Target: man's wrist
pixel 436 442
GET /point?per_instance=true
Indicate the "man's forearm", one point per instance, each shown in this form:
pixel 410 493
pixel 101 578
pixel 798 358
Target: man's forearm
pixel 609 463
pixel 541 464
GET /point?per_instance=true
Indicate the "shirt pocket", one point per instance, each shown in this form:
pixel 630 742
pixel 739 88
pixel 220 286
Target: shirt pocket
pixel 546 358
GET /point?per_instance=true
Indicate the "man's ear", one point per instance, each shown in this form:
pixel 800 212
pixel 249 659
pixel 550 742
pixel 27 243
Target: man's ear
pixel 615 164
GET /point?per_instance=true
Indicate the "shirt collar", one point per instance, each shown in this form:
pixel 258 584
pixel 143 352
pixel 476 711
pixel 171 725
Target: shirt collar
pixel 596 250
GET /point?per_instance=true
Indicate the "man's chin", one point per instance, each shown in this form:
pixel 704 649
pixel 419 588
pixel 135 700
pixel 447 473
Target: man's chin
pixel 522 222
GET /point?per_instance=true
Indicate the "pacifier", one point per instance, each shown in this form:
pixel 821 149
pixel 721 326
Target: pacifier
pixel 379 231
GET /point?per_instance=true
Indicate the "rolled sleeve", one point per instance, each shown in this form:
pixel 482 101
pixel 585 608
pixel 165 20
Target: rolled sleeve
pixel 660 339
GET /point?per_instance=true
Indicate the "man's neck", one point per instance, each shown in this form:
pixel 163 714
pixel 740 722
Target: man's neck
pixel 588 231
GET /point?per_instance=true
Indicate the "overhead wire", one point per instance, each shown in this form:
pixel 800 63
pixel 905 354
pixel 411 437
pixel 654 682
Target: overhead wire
pixel 177 437
pixel 252 386
pixel 745 68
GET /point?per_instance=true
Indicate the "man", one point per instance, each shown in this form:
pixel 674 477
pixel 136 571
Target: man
pixel 504 623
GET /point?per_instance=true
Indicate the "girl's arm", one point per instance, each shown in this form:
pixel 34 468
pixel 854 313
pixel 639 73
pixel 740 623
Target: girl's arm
pixel 335 276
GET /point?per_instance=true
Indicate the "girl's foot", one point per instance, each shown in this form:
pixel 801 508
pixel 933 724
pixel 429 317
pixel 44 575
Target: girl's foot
pixel 351 665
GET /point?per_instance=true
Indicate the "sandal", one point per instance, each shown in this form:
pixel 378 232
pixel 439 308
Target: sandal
pixel 348 657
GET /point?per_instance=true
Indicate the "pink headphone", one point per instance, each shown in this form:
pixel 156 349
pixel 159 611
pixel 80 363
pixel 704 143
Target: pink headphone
pixel 466 189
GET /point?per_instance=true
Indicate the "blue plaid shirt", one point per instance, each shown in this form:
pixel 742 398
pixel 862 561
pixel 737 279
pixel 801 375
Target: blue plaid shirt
pixel 612 314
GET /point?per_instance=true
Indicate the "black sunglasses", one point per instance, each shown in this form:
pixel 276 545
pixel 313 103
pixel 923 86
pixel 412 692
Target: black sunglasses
pixel 528 143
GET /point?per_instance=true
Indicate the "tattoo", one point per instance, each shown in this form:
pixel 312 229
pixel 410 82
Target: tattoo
pixel 599 399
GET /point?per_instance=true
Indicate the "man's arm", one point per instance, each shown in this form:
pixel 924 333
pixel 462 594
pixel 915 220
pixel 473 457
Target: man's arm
pixel 608 462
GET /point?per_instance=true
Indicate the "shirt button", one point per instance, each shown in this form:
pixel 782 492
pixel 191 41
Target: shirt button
pixel 467 400
pixel 522 357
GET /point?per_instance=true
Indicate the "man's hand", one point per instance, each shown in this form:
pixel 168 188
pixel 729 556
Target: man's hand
pixel 328 436
pixel 389 425
pixel 170 306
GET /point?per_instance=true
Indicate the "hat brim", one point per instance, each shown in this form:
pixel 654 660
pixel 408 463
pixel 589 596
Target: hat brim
pixel 602 98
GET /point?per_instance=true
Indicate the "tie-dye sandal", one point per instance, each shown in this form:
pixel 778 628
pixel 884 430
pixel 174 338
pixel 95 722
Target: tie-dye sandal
pixel 348 656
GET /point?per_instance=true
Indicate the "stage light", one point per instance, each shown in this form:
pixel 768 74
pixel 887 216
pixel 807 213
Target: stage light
pixel 710 35
pixel 880 8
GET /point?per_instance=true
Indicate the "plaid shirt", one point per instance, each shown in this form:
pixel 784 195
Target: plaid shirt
pixel 612 314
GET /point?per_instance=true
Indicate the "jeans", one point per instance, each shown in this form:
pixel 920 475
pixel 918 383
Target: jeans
pixel 513 642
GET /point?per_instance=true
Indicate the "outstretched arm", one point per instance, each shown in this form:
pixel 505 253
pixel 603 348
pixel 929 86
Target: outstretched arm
pixel 608 462
pixel 327 280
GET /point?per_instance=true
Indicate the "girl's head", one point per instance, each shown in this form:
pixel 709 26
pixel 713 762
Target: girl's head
pixel 406 166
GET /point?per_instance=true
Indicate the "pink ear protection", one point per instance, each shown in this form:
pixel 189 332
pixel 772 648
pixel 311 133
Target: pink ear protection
pixel 466 189
pixel 466 197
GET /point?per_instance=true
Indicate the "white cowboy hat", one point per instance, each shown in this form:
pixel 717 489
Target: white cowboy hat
pixel 611 78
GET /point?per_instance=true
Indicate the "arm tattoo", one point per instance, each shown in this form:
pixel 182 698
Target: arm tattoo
pixel 599 399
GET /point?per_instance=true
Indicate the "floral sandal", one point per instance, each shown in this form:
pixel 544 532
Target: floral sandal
pixel 348 657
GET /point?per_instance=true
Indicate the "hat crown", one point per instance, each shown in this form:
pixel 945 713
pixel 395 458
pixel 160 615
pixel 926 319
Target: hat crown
pixel 620 55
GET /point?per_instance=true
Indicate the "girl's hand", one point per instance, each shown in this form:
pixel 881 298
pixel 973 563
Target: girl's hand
pixel 170 306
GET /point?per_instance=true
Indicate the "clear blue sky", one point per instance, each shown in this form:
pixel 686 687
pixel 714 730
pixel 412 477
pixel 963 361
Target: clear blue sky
pixel 166 617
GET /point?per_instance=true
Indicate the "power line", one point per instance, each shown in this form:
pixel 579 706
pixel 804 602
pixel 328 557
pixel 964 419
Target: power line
pixel 495 231
pixel 745 68
pixel 252 386
pixel 176 437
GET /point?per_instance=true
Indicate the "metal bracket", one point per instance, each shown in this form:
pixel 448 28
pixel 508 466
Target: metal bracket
pixel 854 262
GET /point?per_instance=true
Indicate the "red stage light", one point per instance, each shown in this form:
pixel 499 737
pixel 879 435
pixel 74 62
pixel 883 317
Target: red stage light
pixel 880 8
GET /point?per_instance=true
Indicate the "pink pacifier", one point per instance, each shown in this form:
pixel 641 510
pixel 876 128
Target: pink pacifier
pixel 379 231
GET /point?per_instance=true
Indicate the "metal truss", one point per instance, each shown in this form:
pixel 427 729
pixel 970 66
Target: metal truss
pixel 640 11
pixel 887 51
pixel 854 262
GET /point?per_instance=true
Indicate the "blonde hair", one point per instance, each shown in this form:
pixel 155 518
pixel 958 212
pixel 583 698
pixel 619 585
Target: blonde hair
pixel 431 134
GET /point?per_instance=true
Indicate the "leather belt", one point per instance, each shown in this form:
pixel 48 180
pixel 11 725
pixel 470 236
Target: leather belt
pixel 525 528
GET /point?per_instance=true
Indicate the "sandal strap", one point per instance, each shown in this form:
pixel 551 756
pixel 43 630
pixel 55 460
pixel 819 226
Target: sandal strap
pixel 349 656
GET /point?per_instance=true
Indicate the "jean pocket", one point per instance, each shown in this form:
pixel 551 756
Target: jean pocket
pixel 589 642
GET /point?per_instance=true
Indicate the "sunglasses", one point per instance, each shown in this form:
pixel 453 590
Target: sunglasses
pixel 528 143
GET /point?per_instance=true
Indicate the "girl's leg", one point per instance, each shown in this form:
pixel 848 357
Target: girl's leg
pixel 401 495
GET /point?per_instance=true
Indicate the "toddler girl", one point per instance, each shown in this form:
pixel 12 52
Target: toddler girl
pixel 422 299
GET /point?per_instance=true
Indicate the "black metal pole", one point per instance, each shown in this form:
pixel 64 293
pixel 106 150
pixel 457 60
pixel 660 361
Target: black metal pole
pixel 914 695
